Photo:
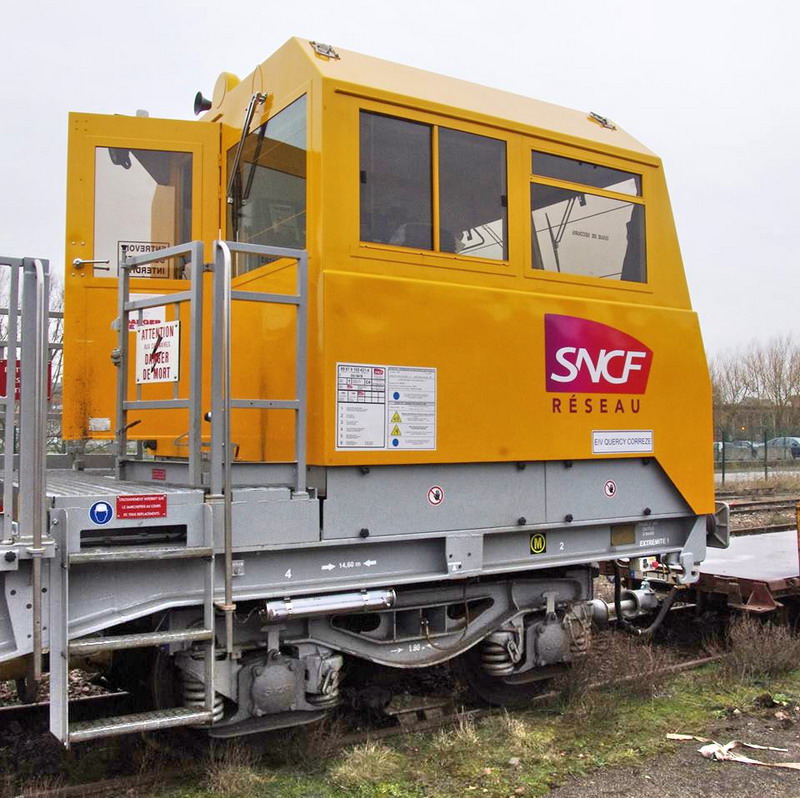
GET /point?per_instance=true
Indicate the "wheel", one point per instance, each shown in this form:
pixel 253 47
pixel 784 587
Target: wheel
pixel 514 692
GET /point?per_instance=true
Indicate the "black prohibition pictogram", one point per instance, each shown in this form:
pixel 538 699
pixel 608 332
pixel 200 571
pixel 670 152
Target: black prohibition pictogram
pixel 435 495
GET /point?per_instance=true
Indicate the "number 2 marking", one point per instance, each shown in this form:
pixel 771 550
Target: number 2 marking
pixel 561 546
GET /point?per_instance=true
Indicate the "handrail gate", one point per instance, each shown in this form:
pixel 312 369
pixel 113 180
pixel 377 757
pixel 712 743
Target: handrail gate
pixel 25 351
pixel 220 479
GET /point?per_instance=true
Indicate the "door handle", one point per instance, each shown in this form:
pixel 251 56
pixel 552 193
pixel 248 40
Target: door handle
pixel 79 263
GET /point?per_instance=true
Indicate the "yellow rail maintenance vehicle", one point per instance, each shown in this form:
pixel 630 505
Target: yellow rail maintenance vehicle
pixel 388 361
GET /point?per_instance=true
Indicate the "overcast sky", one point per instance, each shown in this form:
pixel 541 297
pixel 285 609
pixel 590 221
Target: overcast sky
pixel 711 87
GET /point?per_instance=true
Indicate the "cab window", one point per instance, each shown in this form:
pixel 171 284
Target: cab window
pixel 143 203
pixel 396 189
pixel 398 181
pixel 269 187
pixel 579 231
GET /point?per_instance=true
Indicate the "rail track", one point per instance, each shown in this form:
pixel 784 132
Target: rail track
pixel 425 715
pixel 763 505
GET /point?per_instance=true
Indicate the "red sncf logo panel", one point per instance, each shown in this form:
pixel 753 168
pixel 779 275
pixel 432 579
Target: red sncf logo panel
pixel 583 356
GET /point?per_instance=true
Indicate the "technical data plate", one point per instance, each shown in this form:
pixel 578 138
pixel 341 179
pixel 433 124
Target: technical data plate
pixel 767 557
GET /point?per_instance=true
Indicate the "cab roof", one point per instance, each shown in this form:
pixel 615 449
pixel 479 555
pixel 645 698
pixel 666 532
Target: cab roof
pixel 354 73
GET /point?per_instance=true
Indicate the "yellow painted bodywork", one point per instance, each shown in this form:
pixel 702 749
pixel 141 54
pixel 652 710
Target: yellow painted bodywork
pixel 480 323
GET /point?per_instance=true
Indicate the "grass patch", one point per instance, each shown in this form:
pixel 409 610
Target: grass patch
pixel 520 753
pixel 232 770
pixel 367 765
pixel 634 665
pixel 759 649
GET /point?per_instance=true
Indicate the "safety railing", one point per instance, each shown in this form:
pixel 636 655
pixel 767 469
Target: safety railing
pixel 25 352
pixel 223 403
pixel 190 403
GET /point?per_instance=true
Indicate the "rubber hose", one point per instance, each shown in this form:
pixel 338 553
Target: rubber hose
pixel 626 625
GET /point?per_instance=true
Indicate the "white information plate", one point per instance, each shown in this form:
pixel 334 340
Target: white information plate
pixel 385 407
pixel 158 353
pixel 622 441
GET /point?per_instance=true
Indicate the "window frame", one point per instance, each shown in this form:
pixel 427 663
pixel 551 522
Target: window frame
pixel 531 272
pixel 433 257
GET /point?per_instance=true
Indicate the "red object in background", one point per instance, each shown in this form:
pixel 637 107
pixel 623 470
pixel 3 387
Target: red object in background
pixel 4 379
pixel 145 505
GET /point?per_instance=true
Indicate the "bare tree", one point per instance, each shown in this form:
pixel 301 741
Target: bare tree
pixel 757 389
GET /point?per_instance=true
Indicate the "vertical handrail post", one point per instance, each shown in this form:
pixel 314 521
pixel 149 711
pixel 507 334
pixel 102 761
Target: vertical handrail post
pixel 300 372
pixel 121 430
pixel 222 294
pixel 196 366
pixel 33 423
pixel 217 379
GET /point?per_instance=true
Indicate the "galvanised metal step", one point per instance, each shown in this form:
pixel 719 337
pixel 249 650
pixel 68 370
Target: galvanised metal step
pixel 133 553
pixel 90 645
pixel 141 722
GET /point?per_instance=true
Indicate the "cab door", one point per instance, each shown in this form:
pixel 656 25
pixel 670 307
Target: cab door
pixel 138 185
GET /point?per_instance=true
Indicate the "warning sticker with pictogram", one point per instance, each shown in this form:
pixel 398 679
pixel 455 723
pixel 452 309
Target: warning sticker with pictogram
pixel 435 495
pixel 385 407
pixel 610 488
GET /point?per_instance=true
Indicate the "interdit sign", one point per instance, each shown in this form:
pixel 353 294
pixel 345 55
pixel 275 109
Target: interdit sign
pixel 583 356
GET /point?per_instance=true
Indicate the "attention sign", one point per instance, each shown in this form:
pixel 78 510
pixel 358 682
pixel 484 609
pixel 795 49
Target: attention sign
pixel 158 351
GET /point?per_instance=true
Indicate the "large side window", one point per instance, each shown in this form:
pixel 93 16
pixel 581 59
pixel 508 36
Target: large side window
pixel 395 163
pixel 398 185
pixel 578 231
pixel 472 194
pixel 269 189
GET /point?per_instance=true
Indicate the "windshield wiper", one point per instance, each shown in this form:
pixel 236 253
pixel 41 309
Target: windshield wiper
pixel 257 99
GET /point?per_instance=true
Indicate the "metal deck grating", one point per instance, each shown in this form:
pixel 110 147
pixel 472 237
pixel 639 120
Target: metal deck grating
pixel 63 483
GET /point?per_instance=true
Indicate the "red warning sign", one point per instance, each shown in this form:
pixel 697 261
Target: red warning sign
pixel 435 495
pixel 147 505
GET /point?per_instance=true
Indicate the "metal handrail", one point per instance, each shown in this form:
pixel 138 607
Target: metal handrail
pixel 300 300
pixel 225 365
pixel 39 479
pixel 194 296
pixel 222 403
pixel 9 401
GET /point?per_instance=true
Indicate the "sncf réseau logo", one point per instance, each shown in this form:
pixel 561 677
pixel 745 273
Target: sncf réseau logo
pixel 583 356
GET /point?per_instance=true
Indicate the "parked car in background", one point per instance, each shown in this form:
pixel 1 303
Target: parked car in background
pixel 783 448
pixel 736 450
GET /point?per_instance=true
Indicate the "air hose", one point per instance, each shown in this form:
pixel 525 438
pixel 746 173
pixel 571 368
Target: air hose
pixel 625 624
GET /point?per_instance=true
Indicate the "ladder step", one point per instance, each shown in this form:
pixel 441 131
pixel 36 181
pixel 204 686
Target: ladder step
pixel 114 642
pixel 132 553
pixel 141 722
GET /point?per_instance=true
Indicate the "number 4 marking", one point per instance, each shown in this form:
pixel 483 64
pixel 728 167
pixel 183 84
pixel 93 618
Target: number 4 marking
pixel 288 574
